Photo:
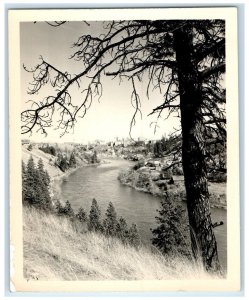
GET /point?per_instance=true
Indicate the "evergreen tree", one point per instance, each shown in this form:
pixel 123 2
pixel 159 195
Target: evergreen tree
pixel 30 194
pixel 72 161
pixel 62 162
pixel 94 158
pixel 36 186
pixel 47 178
pixel 133 236
pixel 158 151
pixel 59 208
pixel 68 211
pixel 122 231
pixel 110 222
pixel 43 174
pixel 42 199
pixel 24 182
pixel 171 234
pixel 81 215
pixel 94 221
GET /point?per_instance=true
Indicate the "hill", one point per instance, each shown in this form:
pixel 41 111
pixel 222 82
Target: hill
pixel 54 249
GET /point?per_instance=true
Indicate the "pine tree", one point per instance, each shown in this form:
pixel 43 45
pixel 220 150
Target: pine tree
pixel 47 178
pixel 94 158
pixel 42 173
pixel 110 222
pixel 24 182
pixel 68 211
pixel 62 162
pixel 59 208
pixel 43 199
pixel 170 236
pixel 122 231
pixel 36 186
pixel 81 215
pixel 72 161
pixel 133 236
pixel 30 195
pixel 94 222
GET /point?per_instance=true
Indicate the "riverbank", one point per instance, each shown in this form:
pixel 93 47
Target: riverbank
pixel 150 181
pixel 55 173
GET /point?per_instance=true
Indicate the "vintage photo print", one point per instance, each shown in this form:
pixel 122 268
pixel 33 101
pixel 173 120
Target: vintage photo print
pixel 124 156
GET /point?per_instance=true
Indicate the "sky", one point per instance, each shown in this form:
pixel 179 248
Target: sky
pixel 106 119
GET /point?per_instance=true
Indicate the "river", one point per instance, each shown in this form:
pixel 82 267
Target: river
pixel 100 182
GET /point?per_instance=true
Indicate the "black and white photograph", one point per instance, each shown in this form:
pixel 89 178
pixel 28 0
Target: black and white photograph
pixel 124 150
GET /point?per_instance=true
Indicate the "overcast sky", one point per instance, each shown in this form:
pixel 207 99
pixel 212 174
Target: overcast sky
pixel 106 119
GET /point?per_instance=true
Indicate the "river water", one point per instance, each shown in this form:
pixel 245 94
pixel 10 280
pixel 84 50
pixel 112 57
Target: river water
pixel 100 182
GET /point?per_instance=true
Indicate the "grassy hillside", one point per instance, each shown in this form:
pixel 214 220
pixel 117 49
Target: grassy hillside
pixel 37 154
pixel 55 250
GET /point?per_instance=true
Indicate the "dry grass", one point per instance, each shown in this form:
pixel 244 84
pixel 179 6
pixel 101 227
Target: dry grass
pixel 53 250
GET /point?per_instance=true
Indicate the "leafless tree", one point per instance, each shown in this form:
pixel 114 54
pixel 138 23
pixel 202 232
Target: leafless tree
pixel 185 61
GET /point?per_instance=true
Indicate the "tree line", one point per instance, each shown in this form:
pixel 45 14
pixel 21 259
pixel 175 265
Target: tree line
pixel 110 226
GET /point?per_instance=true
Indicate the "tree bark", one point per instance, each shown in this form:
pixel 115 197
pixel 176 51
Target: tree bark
pixel 193 151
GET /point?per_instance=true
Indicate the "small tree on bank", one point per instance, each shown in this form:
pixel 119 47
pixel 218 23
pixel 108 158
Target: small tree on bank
pixel 81 215
pixel 122 230
pixel 72 161
pixel 110 222
pixel 172 234
pixel 133 236
pixel 68 211
pixel 94 221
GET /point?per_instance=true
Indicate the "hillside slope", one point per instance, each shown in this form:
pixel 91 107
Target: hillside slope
pixel 54 172
pixel 53 250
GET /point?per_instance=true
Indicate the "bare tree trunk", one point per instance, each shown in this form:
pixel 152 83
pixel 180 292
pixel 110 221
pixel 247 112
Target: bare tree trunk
pixel 193 152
